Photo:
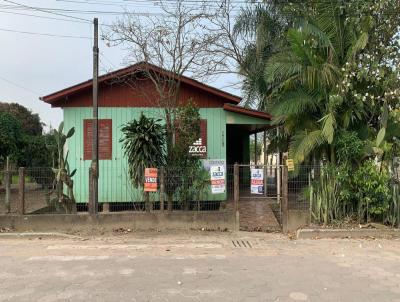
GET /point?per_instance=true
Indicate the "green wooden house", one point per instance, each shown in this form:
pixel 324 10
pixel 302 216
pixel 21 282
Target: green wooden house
pixel 123 95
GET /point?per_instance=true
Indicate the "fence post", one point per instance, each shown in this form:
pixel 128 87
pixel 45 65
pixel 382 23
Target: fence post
pixel 285 199
pixel 162 189
pixel 21 191
pixel 7 184
pixel 236 195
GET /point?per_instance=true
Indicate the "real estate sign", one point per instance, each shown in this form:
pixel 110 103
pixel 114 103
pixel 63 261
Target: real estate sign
pixel 217 174
pixel 290 164
pixel 199 147
pixel 150 179
pixel 257 181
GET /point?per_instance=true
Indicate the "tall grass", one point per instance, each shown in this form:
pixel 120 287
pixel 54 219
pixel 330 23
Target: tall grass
pixel 323 194
pixel 393 215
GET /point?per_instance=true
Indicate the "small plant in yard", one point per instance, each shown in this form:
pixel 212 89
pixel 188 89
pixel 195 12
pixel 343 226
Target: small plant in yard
pixel 344 191
pixel 324 196
pixel 372 191
pixel 63 175
pixel 144 147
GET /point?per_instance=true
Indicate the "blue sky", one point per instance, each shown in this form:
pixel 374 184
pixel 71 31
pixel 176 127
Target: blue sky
pixel 35 65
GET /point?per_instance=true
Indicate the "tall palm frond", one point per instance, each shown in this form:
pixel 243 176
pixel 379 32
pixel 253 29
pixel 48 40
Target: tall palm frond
pixel 304 142
pixel 295 103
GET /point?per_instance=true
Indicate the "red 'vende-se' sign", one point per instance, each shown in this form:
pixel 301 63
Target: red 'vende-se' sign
pixel 150 179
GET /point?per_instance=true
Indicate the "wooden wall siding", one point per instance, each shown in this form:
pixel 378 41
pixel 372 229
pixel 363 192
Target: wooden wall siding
pixel 122 95
pixel 114 185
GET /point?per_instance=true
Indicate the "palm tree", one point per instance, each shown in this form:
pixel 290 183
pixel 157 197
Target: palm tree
pixel 263 25
pixel 309 94
pixel 144 147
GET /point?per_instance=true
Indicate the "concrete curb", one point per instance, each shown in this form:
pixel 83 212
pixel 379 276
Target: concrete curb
pixel 347 233
pixel 67 223
pixel 36 235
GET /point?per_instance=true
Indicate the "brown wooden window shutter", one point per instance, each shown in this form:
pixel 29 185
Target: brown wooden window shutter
pixel 105 139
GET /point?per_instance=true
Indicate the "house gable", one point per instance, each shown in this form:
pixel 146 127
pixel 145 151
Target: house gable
pixel 116 90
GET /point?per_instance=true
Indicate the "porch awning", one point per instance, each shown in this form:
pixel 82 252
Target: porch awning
pixel 252 120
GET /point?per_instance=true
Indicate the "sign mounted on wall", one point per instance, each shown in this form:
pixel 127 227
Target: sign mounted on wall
pixel 150 179
pixel 257 181
pixel 290 164
pixel 217 174
pixel 199 147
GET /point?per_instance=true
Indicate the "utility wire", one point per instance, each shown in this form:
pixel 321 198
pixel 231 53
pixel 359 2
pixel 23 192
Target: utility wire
pixel 46 11
pixel 106 12
pixel 43 34
pixel 20 86
pixel 43 17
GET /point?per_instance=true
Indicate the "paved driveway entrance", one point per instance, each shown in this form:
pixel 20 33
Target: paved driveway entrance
pixel 259 215
pixel 259 210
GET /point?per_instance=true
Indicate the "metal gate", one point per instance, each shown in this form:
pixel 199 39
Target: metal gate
pixel 271 182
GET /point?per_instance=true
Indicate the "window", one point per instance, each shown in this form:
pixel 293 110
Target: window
pixel 105 139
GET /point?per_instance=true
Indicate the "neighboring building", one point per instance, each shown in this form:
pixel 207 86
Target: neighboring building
pixel 225 126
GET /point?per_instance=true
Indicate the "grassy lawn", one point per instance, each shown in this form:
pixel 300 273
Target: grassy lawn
pixel 15 179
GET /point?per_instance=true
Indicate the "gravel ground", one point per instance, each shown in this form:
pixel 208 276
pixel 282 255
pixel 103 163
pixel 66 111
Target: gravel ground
pixel 198 266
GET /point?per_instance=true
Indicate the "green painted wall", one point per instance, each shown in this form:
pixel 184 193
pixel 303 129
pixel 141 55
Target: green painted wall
pixel 114 184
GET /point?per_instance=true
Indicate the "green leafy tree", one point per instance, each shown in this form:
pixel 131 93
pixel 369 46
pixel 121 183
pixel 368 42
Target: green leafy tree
pixel 182 167
pixel 308 73
pixel 312 80
pixel 30 122
pixel 187 129
pixel 333 84
pixel 144 147
pixel 26 146
pixel 10 137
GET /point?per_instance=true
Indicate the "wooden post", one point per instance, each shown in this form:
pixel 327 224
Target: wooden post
pixel 90 203
pixel 236 195
pixel 285 199
pixel 162 189
pixel 7 184
pixel 265 159
pixel 255 149
pixel 21 192
pixel 106 207
pixel 95 123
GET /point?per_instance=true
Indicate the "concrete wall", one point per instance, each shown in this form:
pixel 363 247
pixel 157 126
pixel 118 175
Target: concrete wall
pixel 297 219
pixel 218 220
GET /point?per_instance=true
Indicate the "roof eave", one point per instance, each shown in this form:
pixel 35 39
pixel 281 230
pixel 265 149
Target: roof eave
pixel 248 112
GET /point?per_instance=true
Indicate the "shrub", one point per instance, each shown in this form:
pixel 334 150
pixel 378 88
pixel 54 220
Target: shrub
pixel 372 191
